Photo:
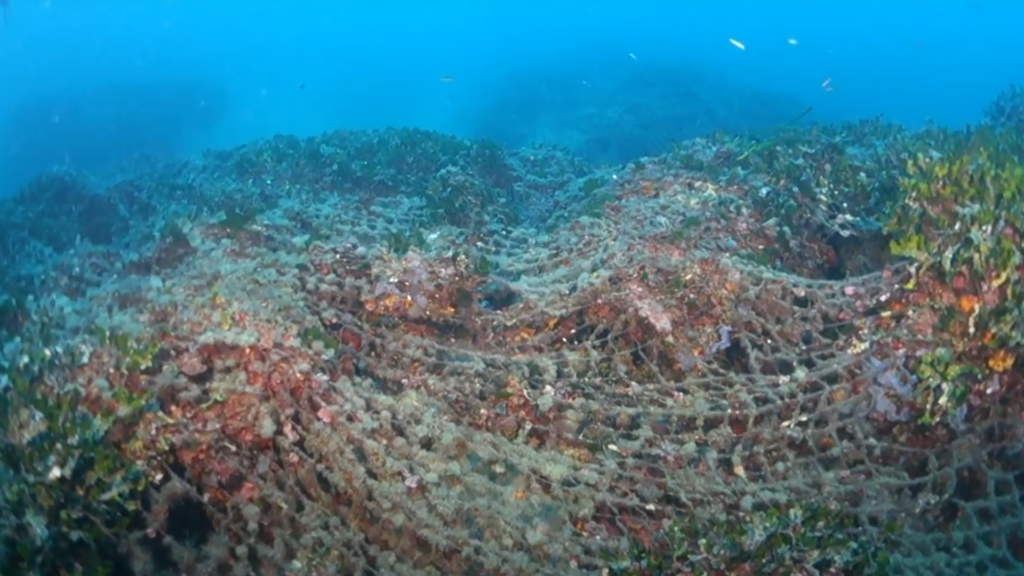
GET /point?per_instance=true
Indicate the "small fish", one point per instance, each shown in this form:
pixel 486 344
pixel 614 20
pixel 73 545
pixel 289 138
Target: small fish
pixel 791 41
pixel 446 79
pixel 633 56
pixel 302 86
pixel 826 82
pixel 737 44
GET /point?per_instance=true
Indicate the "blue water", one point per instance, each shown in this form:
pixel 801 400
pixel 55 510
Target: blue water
pixel 279 241
pixel 174 77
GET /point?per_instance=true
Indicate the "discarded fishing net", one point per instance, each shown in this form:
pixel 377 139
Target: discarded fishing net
pixel 400 353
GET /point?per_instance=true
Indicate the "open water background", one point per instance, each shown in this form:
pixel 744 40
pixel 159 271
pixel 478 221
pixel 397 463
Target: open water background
pixel 85 82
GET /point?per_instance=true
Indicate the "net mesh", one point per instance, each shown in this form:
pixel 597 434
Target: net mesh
pixel 343 389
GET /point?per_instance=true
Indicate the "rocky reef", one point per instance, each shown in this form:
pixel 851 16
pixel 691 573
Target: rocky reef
pixel 399 352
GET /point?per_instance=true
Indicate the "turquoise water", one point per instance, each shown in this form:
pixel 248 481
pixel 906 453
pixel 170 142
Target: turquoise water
pixel 555 289
pixel 238 71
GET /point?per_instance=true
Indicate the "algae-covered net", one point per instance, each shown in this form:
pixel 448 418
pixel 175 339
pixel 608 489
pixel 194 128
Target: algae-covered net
pixel 400 353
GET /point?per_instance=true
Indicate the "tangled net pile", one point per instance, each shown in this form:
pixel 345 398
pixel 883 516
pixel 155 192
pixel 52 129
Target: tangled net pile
pixel 687 369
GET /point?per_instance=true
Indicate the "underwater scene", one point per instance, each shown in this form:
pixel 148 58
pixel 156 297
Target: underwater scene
pixel 511 288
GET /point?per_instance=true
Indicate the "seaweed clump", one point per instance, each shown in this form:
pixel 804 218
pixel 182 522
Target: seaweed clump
pixel 68 493
pixel 1006 111
pixel 58 208
pixel 960 224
